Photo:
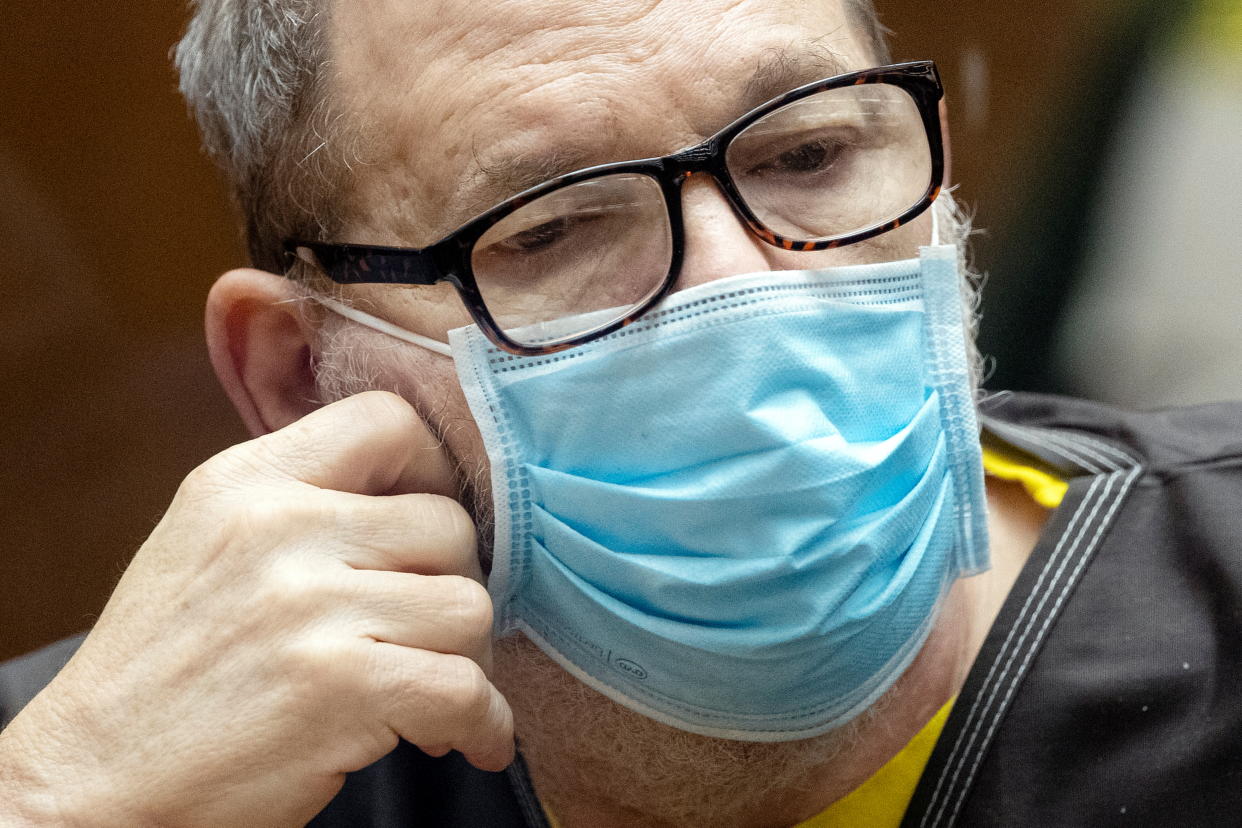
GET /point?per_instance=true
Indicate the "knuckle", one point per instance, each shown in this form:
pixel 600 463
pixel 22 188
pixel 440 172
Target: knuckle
pixel 385 409
pixel 466 686
pixel 472 606
pixel 294 447
pixel 449 520
pixel 202 476
pixel 293 590
pixel 252 460
pixel 238 470
pixel 265 529
pixel 319 667
pixel 283 455
pixel 272 515
pixel 442 698
pixel 461 528
pixel 219 473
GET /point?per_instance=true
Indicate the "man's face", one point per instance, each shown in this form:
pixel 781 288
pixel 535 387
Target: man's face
pixel 464 104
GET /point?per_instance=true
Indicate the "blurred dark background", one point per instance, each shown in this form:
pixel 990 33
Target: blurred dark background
pixel 113 226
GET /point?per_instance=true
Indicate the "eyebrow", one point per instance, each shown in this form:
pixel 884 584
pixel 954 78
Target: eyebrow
pixel 781 70
pixel 777 71
pixel 511 174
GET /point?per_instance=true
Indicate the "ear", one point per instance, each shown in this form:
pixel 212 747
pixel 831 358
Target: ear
pixel 948 144
pixel 261 345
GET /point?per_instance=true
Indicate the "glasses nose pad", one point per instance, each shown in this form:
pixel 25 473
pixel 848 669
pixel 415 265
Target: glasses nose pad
pixel 719 241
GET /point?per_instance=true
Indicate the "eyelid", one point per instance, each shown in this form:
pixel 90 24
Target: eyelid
pixel 802 129
pixel 748 155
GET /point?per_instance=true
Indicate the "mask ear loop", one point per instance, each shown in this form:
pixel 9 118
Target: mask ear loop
pixel 384 327
pixel 935 216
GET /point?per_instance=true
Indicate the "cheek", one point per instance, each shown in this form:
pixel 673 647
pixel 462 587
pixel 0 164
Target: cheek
pixel 450 417
pixel 442 403
pixel 461 434
pixel 369 360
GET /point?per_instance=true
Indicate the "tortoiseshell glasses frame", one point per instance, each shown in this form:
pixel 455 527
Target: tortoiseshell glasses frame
pixel 450 259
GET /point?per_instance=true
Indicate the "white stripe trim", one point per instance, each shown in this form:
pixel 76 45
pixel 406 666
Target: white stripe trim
pixel 1064 442
pixel 1035 590
pixel 1127 459
pixel 1083 444
pixel 1127 478
pixel 1101 525
pixel 987 692
pixel 1030 434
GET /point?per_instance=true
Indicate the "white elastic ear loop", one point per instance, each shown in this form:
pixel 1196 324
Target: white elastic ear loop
pixel 377 324
pixel 935 213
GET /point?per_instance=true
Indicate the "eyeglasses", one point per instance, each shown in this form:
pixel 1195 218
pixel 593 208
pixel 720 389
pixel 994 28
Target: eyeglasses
pixel 831 163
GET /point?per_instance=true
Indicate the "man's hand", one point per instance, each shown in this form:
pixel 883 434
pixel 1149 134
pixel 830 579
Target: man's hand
pixel 288 619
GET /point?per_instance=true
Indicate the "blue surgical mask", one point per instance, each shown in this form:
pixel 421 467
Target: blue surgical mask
pixel 740 514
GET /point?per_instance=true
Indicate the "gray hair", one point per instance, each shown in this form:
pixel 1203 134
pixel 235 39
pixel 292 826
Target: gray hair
pixel 863 16
pixel 253 73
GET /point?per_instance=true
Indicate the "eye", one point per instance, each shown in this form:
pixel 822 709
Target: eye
pixel 809 157
pixel 813 156
pixel 539 237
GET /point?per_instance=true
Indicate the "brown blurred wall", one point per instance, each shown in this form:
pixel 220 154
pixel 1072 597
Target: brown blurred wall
pixel 113 226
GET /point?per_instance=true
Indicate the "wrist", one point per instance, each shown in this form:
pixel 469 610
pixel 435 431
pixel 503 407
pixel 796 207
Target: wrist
pixel 37 790
pixel 25 798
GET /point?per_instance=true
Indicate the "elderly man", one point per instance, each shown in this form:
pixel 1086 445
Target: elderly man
pixel 656 484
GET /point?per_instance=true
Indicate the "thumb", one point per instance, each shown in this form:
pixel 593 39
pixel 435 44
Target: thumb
pixel 371 443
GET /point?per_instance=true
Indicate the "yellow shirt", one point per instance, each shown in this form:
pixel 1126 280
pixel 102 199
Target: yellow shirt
pixel 881 801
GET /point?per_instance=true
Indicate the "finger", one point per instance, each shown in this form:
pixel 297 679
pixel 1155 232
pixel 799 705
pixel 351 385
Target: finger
pixel 370 443
pixel 435 700
pixel 443 613
pixel 435 751
pixel 422 533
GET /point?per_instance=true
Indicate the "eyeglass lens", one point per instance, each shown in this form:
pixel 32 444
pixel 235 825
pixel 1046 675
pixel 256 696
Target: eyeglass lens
pixel 604 243
pixel 831 164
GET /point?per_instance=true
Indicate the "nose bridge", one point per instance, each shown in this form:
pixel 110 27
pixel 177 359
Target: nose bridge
pixel 706 177
pixel 703 163
pixel 718 242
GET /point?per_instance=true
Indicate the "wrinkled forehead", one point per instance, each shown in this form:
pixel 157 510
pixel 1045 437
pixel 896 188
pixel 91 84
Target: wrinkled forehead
pixel 464 103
